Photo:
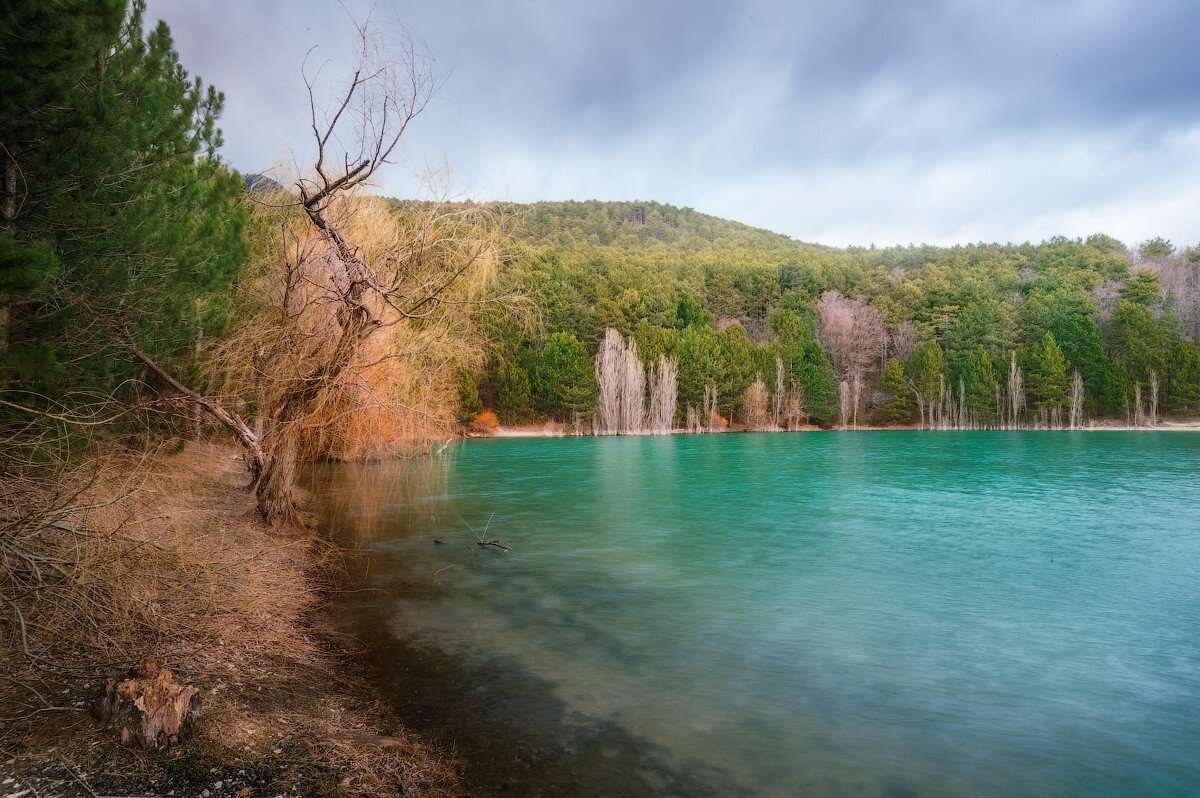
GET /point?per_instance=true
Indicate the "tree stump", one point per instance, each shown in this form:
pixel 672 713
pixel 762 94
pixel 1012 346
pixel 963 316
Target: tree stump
pixel 148 707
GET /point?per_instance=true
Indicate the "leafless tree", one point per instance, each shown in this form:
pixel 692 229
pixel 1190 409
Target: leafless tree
pixel 354 298
pixel 755 416
pixel 1016 394
pixel 777 411
pixel 855 337
pixel 1076 411
pixel 663 384
pixel 711 416
pixel 1154 398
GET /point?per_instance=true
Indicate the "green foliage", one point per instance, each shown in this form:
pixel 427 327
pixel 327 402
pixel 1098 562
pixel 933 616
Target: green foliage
pixel 1069 316
pixel 689 312
pixel 564 381
pixel 514 394
pixel 24 267
pixel 726 299
pixel 145 221
pixel 469 403
pixel 1155 248
pixel 1141 345
pixel 980 382
pixel 46 51
pixel 986 325
pixel 1046 374
pixel 1144 288
pixel 926 370
pixel 898 406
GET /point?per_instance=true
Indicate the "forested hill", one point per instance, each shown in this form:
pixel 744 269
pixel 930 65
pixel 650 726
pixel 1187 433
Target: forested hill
pixel 727 301
pixel 637 224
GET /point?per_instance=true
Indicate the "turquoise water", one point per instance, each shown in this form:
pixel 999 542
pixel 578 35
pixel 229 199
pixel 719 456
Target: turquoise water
pixel 824 614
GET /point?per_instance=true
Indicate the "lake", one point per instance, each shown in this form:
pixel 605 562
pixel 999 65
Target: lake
pixel 817 614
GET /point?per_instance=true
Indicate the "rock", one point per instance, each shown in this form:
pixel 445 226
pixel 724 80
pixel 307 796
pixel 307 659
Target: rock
pixel 148 708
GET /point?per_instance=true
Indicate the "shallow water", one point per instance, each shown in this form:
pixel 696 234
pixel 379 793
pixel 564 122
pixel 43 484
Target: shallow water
pixel 824 614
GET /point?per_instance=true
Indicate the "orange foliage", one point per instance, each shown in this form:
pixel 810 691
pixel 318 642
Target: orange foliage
pixel 486 421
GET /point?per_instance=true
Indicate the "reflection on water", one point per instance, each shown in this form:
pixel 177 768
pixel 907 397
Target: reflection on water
pixel 820 614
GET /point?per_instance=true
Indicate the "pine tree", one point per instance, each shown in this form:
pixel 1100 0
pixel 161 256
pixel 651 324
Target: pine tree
pixel 1047 375
pixel 144 219
pixel 926 372
pixel 514 394
pixel 564 381
pixel 980 384
pixel 898 404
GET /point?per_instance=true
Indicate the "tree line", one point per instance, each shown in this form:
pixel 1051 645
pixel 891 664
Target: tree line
pixel 971 336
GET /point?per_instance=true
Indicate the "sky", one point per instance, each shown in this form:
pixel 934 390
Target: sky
pixel 844 122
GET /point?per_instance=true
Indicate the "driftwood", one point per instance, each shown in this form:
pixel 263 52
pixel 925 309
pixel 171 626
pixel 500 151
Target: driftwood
pixel 495 543
pixel 148 708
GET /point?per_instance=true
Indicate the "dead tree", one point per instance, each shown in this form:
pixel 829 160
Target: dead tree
pixel 754 406
pixel 1076 406
pixel 351 289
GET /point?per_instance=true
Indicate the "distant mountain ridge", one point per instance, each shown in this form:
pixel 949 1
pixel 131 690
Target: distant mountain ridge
pixel 632 224
pixel 262 184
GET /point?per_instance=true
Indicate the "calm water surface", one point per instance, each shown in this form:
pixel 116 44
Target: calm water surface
pixel 825 614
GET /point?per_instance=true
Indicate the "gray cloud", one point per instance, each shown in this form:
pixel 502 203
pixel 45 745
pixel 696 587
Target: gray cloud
pixel 849 122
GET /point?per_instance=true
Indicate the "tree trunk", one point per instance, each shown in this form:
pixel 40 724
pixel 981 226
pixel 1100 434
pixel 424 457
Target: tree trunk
pixel 148 708
pixel 8 205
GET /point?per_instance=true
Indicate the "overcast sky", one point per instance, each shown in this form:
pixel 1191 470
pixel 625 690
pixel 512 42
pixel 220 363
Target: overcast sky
pixel 839 122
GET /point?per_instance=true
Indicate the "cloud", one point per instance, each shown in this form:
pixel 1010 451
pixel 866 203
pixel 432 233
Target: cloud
pixel 854 122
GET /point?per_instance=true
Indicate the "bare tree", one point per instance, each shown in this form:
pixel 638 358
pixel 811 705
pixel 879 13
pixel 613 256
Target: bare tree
pixel 754 406
pixel 1076 411
pixel 777 409
pixel 843 404
pixel 1154 398
pixel 793 413
pixel 354 307
pixel 1016 394
pixel 855 337
pixel 663 387
pixel 711 416
pixel 610 367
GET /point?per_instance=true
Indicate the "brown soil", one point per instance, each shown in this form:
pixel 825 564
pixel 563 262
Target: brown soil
pixel 285 709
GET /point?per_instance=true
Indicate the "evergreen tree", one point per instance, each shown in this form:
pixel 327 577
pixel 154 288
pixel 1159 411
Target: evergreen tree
pixel 980 383
pixel 564 378
pixel 926 372
pixel 898 403
pixel 983 325
pixel 814 373
pixel 1047 375
pixel 145 221
pixel 514 394
pixel 1139 343
pixel 1143 287
pixel 806 364
pixel 469 403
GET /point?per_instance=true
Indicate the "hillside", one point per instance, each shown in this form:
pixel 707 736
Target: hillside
pixel 727 301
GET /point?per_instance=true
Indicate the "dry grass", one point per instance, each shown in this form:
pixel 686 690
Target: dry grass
pixel 432 267
pixel 175 563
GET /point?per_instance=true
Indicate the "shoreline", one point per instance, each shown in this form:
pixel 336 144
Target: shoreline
pixel 287 709
pixel 560 430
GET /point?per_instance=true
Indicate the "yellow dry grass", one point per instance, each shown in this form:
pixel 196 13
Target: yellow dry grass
pixel 175 564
